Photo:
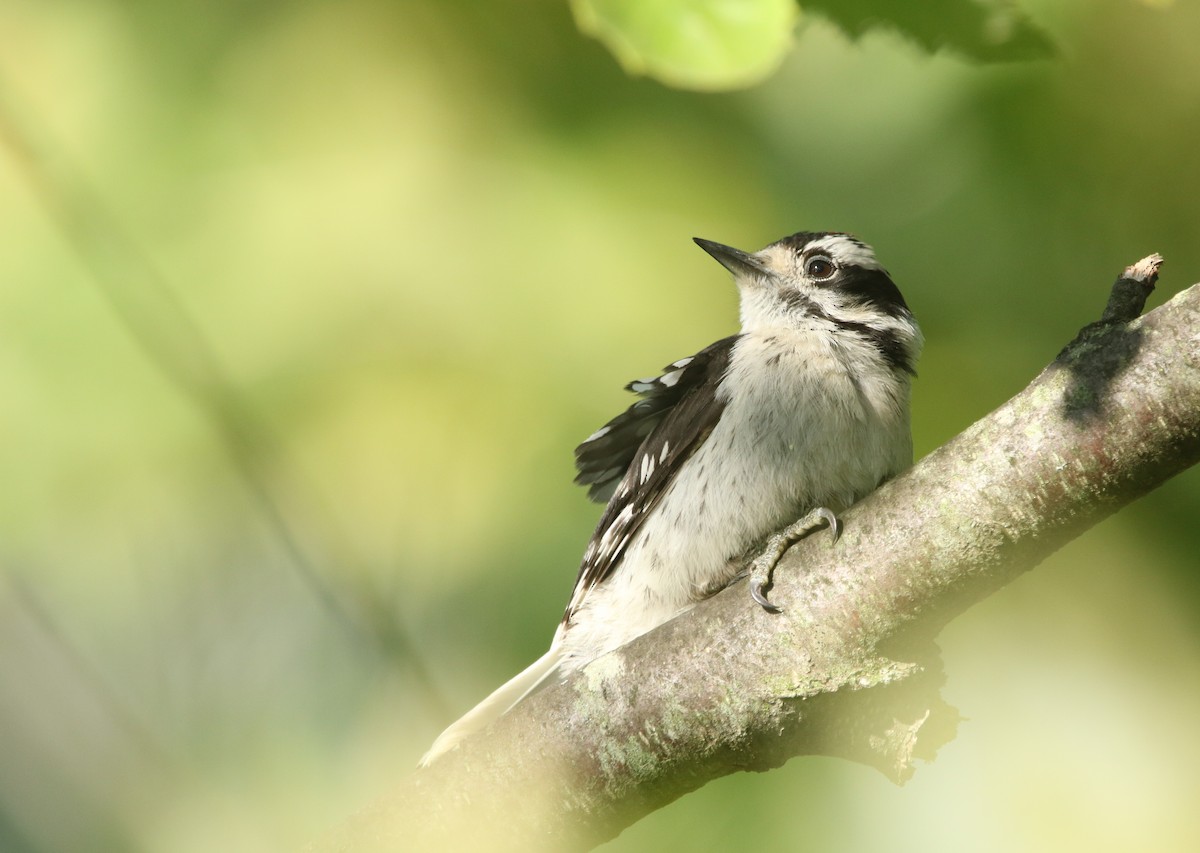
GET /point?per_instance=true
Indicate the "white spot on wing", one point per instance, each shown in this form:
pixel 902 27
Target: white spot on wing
pixel 662 456
pixel 671 378
pixel 600 433
pixel 608 539
pixel 620 546
pixel 647 467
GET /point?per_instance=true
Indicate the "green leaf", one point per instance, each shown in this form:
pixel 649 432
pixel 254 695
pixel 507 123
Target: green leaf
pixel 693 44
pixel 982 30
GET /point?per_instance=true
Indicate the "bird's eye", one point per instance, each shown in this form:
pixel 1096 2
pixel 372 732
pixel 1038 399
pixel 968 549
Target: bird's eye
pixel 819 267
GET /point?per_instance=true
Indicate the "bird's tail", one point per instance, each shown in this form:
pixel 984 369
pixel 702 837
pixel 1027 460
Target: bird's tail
pixel 501 700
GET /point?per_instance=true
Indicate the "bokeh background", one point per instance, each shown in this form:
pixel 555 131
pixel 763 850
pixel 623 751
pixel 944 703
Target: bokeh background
pixel 304 305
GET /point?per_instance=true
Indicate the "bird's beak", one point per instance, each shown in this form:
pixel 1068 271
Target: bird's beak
pixel 735 260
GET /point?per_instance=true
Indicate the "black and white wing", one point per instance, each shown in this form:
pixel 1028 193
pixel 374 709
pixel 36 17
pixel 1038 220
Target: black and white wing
pixel 632 459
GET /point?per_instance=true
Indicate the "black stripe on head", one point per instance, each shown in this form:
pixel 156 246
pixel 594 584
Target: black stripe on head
pixel 866 286
pixel 800 303
pixel 796 242
pixel 887 341
pixel 871 288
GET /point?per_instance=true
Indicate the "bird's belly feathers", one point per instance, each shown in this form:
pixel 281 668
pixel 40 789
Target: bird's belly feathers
pixel 798 435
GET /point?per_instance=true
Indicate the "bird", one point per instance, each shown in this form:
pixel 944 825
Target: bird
pixel 732 454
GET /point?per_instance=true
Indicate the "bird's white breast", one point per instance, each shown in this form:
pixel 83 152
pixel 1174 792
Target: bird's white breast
pixel 798 431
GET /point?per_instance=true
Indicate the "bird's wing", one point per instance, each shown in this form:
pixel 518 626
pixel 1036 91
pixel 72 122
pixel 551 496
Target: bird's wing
pixel 632 459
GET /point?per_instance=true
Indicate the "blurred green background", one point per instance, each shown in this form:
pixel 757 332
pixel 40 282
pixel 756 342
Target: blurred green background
pixel 304 305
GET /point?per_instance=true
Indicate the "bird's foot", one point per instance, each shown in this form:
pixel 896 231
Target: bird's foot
pixel 764 564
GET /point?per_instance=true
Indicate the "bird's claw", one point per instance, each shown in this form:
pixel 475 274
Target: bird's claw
pixel 760 597
pixel 764 564
pixel 835 524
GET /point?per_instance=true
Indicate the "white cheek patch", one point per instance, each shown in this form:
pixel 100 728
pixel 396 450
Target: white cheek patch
pixel 845 251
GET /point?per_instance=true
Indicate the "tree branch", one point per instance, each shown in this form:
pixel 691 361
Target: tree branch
pixel 849 668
